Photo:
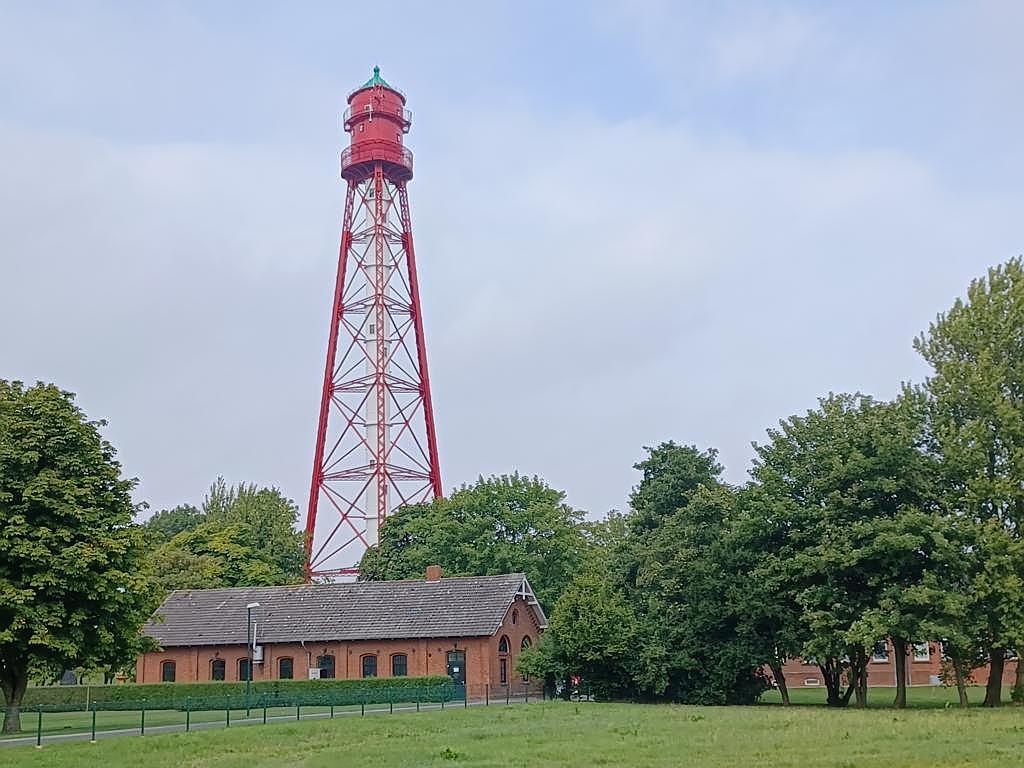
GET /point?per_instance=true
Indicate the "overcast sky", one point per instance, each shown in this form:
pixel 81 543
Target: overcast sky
pixel 635 221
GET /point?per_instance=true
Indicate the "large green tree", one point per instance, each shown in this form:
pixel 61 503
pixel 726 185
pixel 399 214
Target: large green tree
pixel 701 644
pixel 497 525
pixel 72 589
pixel 976 394
pixel 853 493
pixel 242 536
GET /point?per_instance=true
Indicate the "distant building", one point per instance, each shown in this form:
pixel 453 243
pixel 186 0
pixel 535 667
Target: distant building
pixel 472 629
pixel 924 667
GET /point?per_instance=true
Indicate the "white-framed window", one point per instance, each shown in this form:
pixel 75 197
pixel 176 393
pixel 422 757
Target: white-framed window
pixel 880 652
pixel 922 651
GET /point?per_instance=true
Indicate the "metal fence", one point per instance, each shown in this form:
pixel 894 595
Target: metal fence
pixel 55 722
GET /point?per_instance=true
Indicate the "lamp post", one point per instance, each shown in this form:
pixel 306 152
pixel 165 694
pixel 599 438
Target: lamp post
pixel 248 643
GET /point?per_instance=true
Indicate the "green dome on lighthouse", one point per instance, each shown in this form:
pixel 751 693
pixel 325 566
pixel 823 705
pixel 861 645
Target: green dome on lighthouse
pixel 376 80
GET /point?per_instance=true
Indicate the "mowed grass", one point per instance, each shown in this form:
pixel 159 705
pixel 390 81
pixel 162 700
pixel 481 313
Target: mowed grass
pixel 56 723
pixel 927 697
pixel 584 734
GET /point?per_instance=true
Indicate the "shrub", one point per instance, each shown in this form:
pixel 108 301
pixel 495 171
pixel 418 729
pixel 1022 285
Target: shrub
pixel 222 695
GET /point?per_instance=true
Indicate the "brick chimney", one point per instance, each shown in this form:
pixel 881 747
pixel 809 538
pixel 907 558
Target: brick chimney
pixel 434 573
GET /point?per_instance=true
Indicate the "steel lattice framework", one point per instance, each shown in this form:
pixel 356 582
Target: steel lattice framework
pixel 376 446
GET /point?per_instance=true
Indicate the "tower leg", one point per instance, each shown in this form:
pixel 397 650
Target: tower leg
pixel 328 388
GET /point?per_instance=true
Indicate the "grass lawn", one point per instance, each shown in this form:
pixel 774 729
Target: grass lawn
pixel 932 696
pixel 569 734
pixel 81 722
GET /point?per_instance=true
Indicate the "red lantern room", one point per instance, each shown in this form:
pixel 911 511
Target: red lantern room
pixel 377 119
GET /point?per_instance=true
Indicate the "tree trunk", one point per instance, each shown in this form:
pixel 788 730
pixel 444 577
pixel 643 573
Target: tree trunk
pixel 960 675
pixel 1018 681
pixel 859 677
pixel 994 687
pixel 780 680
pixel 13 682
pixel 830 673
pixel 899 646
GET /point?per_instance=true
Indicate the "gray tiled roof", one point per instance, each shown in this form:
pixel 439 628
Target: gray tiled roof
pixel 380 610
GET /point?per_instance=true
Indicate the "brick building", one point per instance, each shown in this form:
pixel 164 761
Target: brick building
pixel 924 667
pixel 470 628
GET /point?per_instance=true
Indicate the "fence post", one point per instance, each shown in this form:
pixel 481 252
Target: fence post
pixel 417 698
pixel 142 723
pixel 39 727
pixel 227 714
pixel 330 698
pixel 487 694
pixel 188 714
pixel 362 704
pixel 508 693
pixel 526 694
pixel 298 709
pixel 391 700
pixel 264 711
pixel 93 740
pixel 465 695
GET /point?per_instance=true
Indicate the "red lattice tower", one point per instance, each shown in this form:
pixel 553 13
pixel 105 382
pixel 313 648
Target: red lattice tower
pixel 376 447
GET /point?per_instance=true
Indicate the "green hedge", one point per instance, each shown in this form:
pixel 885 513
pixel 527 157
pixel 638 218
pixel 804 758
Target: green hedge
pixel 221 695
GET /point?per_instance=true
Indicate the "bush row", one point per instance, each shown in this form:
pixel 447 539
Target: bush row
pixel 220 695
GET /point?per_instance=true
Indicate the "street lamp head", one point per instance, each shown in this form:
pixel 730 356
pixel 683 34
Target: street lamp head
pixel 250 606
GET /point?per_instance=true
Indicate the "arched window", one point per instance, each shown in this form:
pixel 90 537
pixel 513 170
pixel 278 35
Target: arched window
pixel 285 668
pixel 399 665
pixel 515 616
pixel 369 666
pixel 217 667
pixel 326 664
pixel 503 644
pixel 167 671
pixel 244 669
pixel 527 642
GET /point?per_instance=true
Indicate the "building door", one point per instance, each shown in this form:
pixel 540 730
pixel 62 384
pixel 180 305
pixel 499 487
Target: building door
pixel 457 672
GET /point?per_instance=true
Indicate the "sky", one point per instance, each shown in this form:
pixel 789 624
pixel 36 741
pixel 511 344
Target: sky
pixel 635 221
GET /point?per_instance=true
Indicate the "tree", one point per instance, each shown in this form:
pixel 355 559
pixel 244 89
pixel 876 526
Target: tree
pixel 592 633
pixel 852 489
pixel 672 473
pixel 766 599
pixel 72 584
pixel 498 525
pixel 698 643
pixel 168 523
pixel 242 536
pixel 976 398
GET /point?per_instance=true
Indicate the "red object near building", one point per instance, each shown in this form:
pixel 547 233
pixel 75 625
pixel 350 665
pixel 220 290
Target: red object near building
pixel 376 447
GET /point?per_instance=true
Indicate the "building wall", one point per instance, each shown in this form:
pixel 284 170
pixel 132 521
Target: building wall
pixel 425 656
pixel 801 674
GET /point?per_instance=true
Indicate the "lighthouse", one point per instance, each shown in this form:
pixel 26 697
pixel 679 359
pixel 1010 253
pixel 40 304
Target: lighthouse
pixel 376 443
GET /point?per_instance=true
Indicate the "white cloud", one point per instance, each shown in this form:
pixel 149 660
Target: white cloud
pixel 764 43
pixel 590 284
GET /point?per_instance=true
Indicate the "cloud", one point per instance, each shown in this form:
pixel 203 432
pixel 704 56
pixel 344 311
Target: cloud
pixel 764 43
pixel 596 276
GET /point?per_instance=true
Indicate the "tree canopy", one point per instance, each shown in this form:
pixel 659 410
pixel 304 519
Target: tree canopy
pixel 497 525
pixel 976 409
pixel 73 590
pixel 242 536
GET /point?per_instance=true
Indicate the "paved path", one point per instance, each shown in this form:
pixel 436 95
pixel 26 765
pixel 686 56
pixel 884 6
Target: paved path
pixel 57 738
